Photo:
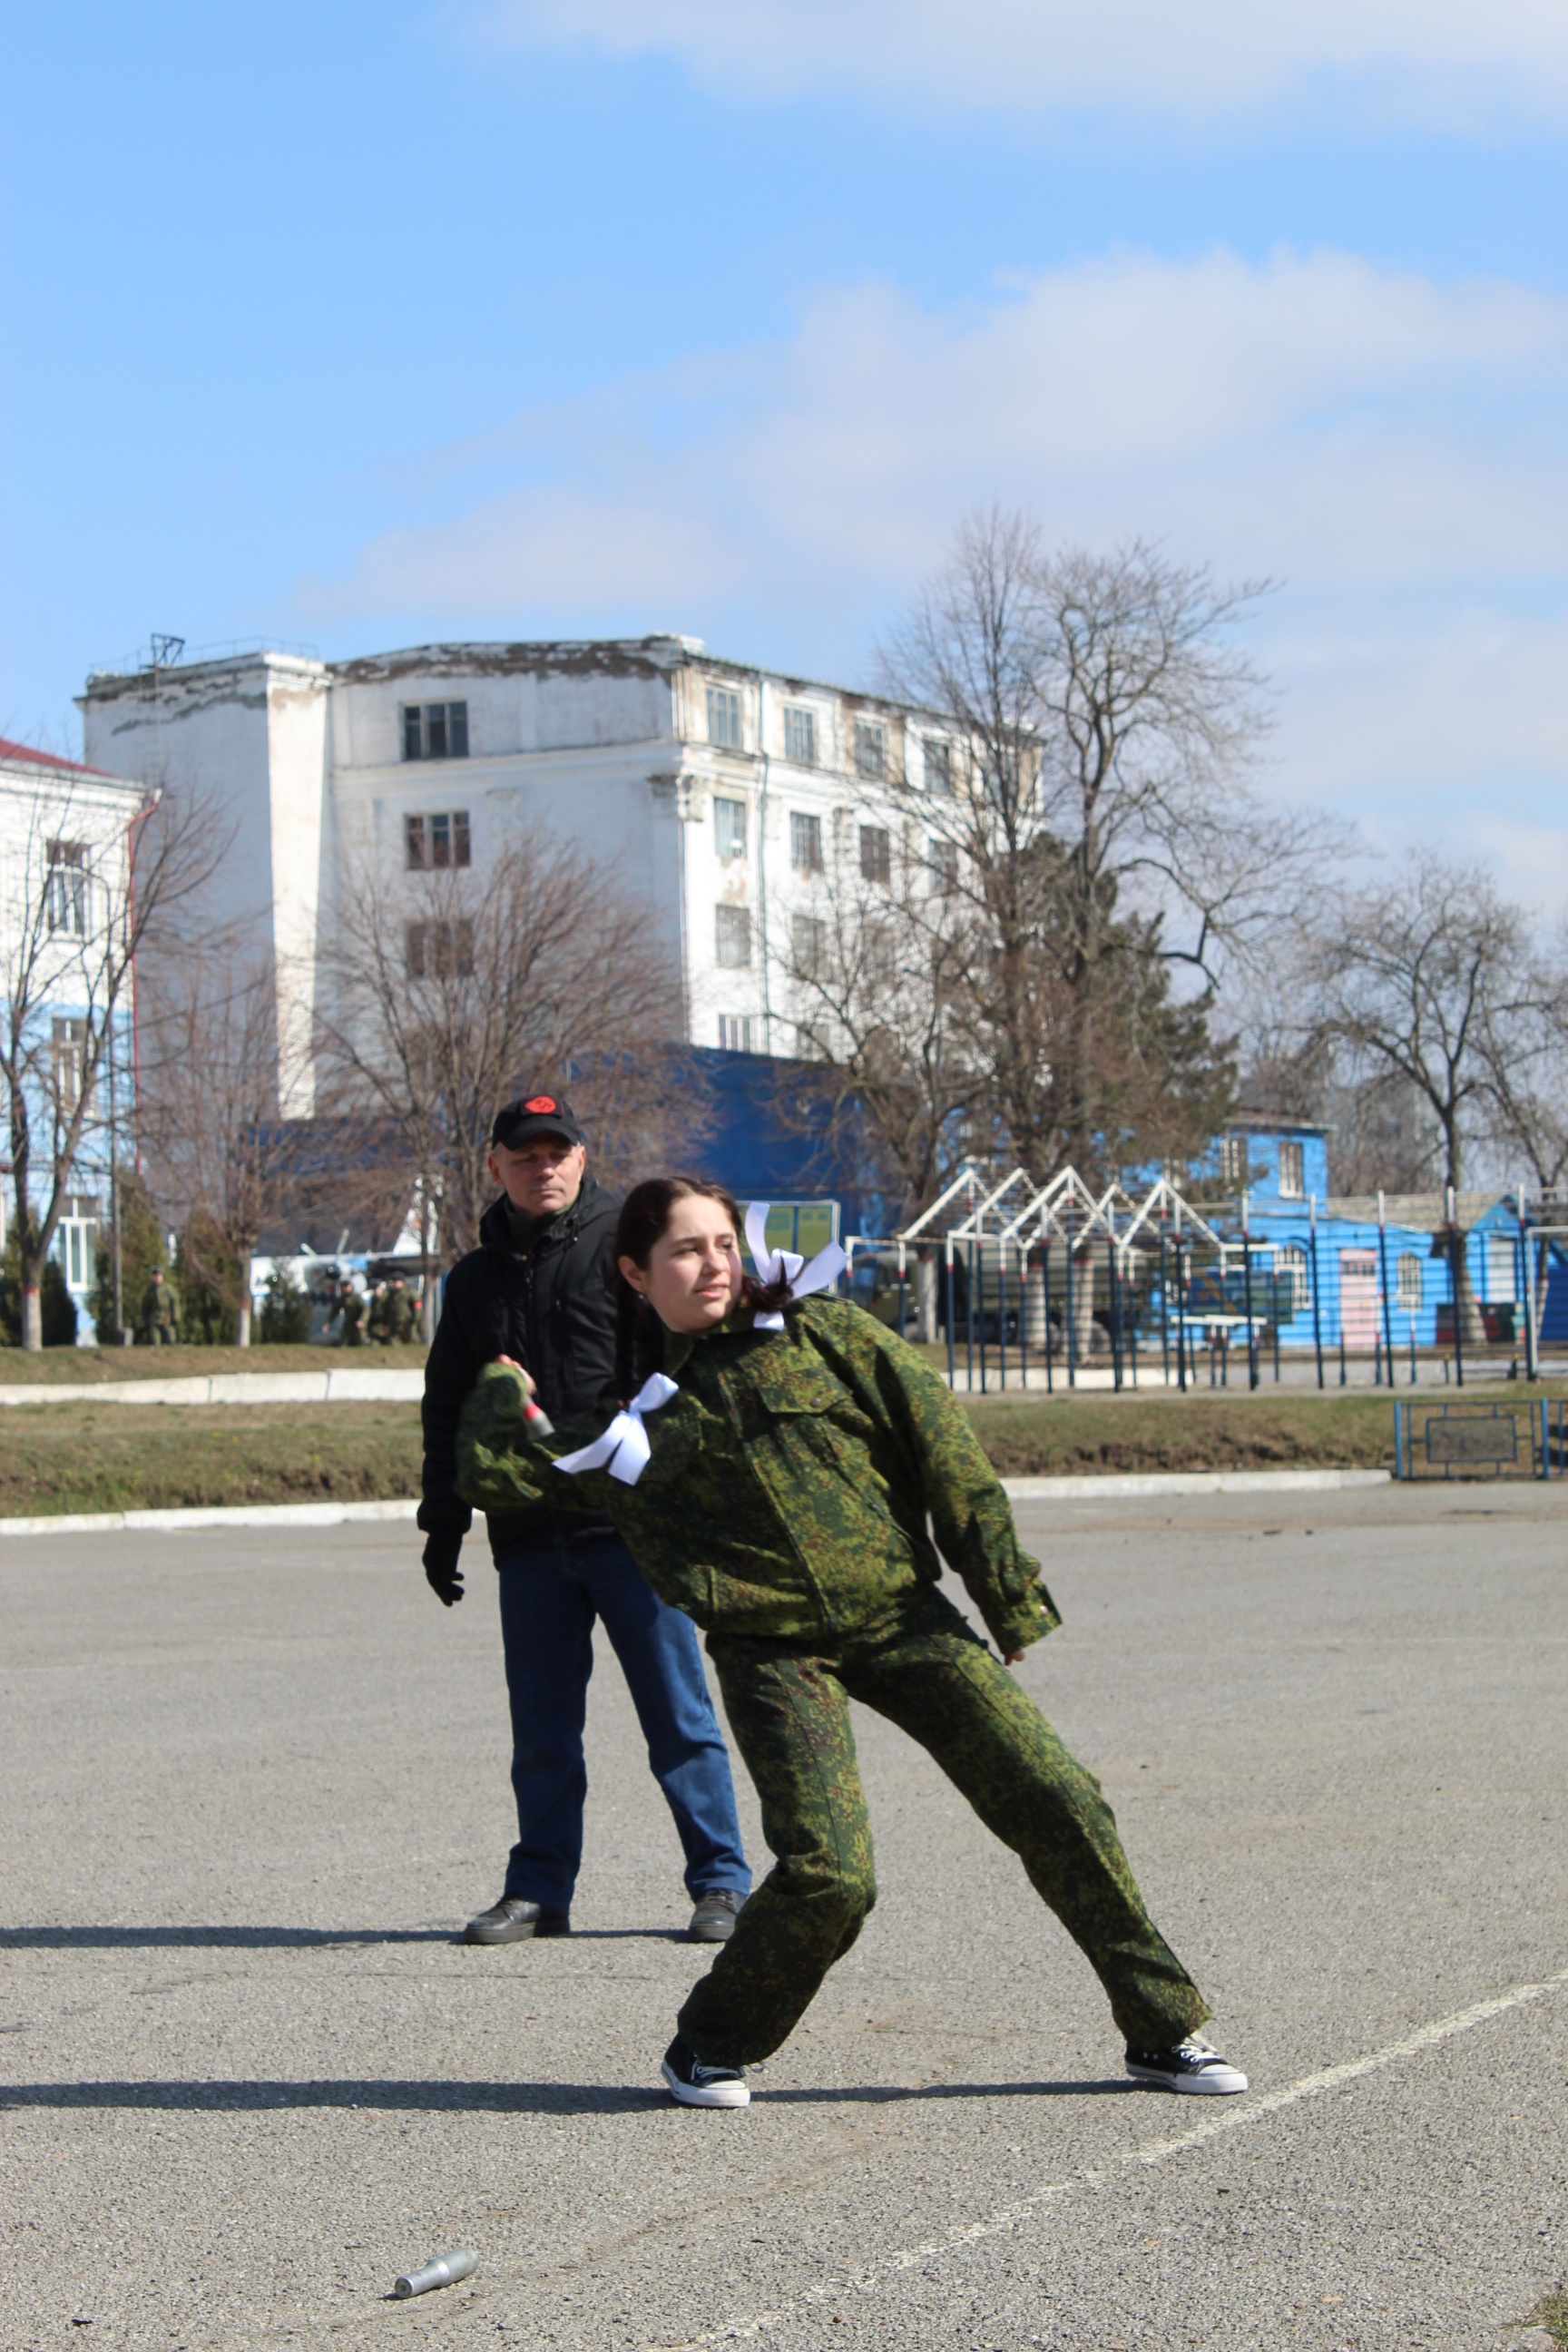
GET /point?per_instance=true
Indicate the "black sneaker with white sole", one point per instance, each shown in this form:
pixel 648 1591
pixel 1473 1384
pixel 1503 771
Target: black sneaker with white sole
pixel 697 2086
pixel 1193 2065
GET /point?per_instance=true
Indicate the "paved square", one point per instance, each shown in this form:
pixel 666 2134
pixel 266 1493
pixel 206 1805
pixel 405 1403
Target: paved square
pixel 253 1784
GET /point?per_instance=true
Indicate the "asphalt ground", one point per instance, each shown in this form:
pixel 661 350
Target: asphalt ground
pixel 255 1782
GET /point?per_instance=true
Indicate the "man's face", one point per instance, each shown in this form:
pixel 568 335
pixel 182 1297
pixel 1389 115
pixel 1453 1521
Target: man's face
pixel 541 1177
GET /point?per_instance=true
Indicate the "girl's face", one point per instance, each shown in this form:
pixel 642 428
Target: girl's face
pixel 692 1278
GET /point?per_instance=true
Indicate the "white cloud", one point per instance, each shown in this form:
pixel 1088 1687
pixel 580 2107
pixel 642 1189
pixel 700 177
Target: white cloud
pixel 1451 61
pixel 1389 449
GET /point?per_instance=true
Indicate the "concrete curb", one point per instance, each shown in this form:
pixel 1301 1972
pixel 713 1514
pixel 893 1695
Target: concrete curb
pixel 340 1385
pixel 1192 1481
pixel 245 1514
pixel 1020 1490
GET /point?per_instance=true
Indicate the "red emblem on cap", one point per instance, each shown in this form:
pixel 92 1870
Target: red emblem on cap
pixel 542 1102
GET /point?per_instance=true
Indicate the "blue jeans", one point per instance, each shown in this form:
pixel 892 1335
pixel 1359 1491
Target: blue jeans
pixel 551 1592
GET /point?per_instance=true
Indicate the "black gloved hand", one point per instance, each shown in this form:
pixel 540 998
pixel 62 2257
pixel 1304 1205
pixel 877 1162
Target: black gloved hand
pixel 441 1570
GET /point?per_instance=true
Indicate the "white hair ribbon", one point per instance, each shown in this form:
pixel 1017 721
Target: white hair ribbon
pixel 624 1444
pixel 785 1265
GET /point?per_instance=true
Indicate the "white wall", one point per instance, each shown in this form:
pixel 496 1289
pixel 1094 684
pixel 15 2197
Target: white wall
pixel 603 743
pixel 253 730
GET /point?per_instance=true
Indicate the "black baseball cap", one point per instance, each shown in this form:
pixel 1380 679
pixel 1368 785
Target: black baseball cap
pixel 516 1122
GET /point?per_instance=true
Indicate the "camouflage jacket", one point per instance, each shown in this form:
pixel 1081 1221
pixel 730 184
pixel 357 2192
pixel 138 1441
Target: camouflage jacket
pixel 790 1485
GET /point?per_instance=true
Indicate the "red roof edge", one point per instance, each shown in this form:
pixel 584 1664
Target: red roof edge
pixel 33 758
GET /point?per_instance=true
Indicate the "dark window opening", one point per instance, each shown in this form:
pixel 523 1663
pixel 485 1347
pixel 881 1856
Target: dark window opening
pixel 436 730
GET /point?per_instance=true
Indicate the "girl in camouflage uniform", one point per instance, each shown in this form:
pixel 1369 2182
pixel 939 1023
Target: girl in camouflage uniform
pixel 776 1484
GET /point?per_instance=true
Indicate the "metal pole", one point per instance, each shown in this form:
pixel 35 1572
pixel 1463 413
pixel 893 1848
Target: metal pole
pixel 1024 1317
pixel 1002 1313
pixel 1531 1350
pixel 968 1325
pixel 1247 1291
pixel 1072 1318
pixel 902 1270
pixel 1164 1307
pixel 1046 1290
pixel 1455 1276
pixel 1317 1310
pixel 1383 1277
pixel 952 1369
pixel 1114 1303
pixel 1130 1293
pixel 1181 1308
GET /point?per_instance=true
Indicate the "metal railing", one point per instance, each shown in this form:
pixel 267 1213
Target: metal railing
pixel 1023 1287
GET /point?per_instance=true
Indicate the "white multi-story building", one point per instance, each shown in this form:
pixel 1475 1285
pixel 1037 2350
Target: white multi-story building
pixel 717 788
pixel 65 848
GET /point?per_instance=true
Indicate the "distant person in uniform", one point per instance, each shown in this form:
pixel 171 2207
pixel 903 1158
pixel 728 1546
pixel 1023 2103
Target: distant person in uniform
pixel 537 1289
pixel 160 1312
pixel 402 1311
pixel 354 1311
pixel 378 1323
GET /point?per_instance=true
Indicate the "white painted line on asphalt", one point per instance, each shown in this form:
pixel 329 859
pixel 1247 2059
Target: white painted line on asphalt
pixel 1191 1482
pixel 1234 2115
pixel 339 1384
pixel 243 1515
pixel 1020 1490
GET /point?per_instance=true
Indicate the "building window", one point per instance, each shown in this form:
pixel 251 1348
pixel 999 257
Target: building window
pixel 74 1238
pixel 724 718
pixel 804 842
pixel 810 1043
pixel 1292 1172
pixel 1233 1159
pixel 68 1048
pixel 436 840
pixel 1293 1281
pixel 878 955
pixel 434 730
pixel 800 735
pixel 938 765
pixel 730 827
pixel 64 895
pixel 734 1032
pixel 941 863
pixel 732 937
pixel 871 749
pixel 809 938
pixel 440 950
pixel 876 853
pixel 1407 1282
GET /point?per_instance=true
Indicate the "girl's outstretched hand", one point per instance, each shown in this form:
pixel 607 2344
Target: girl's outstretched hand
pixel 1012 1657
pixel 513 1366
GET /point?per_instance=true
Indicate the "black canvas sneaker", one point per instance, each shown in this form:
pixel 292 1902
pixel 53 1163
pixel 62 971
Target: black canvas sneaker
pixel 513 1920
pixel 1193 2065
pixel 697 2086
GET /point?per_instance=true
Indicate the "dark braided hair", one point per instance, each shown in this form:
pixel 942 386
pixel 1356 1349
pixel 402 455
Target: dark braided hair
pixel 644 1213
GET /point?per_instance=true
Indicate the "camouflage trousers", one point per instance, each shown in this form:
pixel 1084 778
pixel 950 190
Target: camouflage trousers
pixel 925 1671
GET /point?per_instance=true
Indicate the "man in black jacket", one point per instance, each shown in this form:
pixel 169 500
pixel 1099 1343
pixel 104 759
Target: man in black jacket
pixel 537 1289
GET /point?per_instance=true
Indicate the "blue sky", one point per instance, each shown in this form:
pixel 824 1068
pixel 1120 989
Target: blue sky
pixel 355 327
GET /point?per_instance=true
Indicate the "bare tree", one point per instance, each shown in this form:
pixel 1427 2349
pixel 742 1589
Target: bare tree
pixel 1102 803
pixel 444 992
pixel 871 964
pixel 221 1160
pixel 81 902
pixel 1435 979
pixel 1527 1073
